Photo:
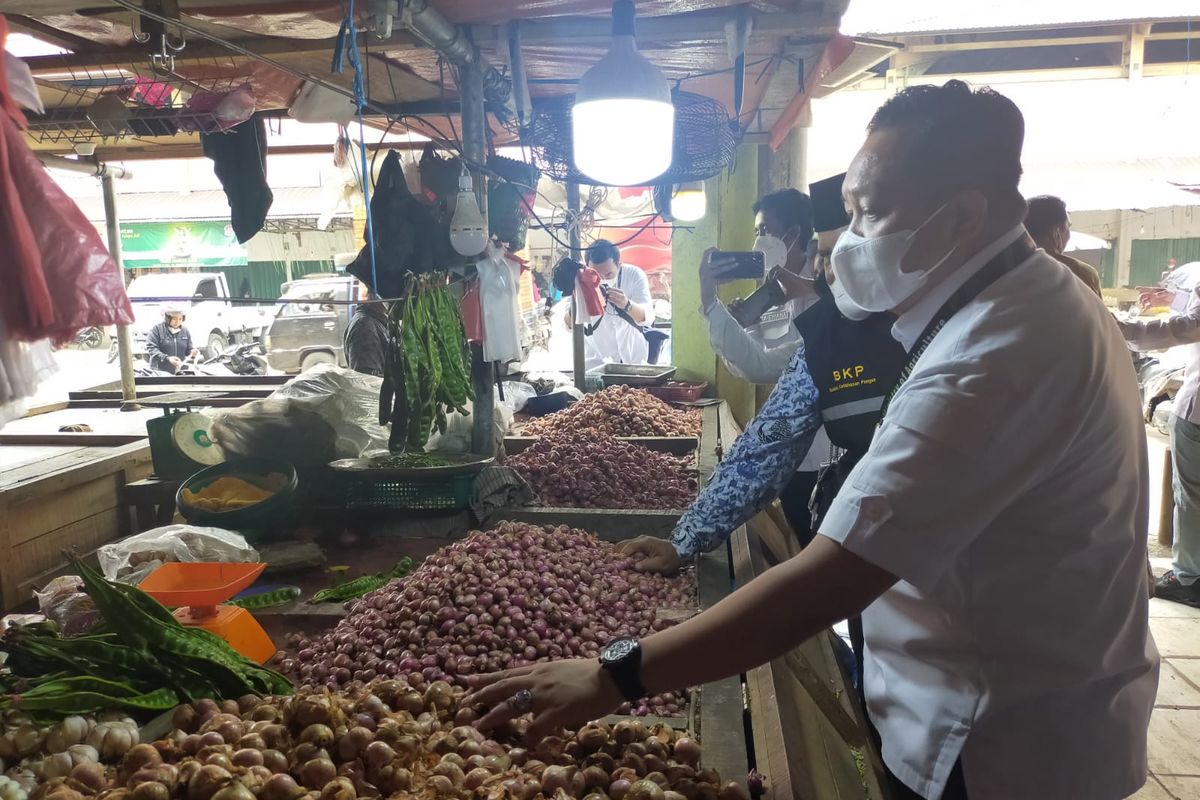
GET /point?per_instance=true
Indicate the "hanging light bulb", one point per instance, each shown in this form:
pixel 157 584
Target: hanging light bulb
pixel 468 228
pixel 689 203
pixel 623 122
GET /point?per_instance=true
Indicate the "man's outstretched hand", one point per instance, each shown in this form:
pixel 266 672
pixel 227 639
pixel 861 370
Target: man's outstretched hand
pixel 651 554
pixel 565 694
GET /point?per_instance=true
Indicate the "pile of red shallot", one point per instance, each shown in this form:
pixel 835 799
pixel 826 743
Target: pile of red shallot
pixel 498 599
pixel 620 411
pixel 588 469
pixel 388 739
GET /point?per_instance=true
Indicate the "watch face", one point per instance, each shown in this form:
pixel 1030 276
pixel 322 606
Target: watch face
pixel 618 650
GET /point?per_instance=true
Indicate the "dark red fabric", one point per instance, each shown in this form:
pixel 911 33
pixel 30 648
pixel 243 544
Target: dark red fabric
pixel 589 285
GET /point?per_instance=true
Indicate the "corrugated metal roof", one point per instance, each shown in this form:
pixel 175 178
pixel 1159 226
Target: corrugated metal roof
pixel 887 17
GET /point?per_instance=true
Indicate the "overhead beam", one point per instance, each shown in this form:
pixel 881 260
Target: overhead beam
pixel 675 27
pixel 928 44
pixel 266 46
pixel 45 33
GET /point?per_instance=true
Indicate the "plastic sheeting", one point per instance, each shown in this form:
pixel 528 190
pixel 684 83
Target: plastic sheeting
pixel 132 559
pixel 347 400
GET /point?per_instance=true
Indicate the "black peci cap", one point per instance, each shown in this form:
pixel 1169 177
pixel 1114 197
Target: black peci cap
pixel 829 210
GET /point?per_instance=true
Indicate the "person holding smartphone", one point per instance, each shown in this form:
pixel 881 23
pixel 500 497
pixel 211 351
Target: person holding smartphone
pixel 617 338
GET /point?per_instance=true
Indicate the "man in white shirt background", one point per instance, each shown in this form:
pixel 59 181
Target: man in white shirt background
pixel 1181 583
pixel 995 531
pixel 613 339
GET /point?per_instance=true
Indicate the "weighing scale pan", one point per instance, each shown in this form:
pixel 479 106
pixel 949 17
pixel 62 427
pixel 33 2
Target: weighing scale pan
pixel 199 584
pixel 195 591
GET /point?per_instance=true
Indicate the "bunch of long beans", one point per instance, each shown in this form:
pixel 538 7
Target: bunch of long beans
pixel 427 366
pixel 144 660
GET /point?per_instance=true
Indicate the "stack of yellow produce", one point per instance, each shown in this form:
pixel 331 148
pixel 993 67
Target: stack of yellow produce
pixel 230 494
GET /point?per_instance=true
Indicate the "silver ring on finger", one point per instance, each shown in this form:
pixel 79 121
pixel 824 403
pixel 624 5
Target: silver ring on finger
pixel 522 701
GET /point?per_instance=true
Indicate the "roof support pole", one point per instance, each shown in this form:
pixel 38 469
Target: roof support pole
pixel 475 149
pixel 124 340
pixel 577 342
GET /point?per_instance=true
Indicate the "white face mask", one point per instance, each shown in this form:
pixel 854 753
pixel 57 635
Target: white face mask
pixel 775 251
pixel 849 309
pixel 868 274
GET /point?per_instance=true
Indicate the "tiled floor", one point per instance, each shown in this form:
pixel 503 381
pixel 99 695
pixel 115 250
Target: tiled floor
pixel 1175 725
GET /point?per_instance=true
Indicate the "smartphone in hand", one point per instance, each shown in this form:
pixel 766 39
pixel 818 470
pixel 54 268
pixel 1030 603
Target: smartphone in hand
pixel 739 265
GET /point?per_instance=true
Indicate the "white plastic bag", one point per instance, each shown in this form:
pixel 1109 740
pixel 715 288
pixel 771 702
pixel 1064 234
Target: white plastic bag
pixel 315 103
pixel 133 558
pixel 458 435
pixel 499 286
pixel 21 84
pixel 517 394
pixel 347 400
pixel 64 601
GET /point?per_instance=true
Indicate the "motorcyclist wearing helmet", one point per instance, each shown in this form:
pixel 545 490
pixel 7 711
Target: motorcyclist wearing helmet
pixel 169 343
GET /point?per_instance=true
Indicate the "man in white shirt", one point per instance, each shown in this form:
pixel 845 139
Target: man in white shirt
pixel 1181 583
pixel 614 339
pixel 995 531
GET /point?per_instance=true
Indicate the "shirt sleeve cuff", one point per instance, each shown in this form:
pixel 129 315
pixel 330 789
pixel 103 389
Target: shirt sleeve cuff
pixel 864 525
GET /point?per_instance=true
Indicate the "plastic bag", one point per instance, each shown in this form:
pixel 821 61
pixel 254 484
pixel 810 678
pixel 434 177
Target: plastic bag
pixel 517 394
pixel 62 278
pixel 347 400
pixel 217 112
pixel 284 428
pixel 132 559
pixel 459 428
pixel 21 85
pixel 315 103
pixel 64 601
pixel 499 286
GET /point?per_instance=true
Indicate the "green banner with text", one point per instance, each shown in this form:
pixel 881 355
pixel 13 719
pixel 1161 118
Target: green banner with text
pixel 180 244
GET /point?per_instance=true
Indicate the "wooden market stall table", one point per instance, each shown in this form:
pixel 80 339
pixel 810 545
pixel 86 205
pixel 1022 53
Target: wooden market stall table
pixel 62 489
pixel 53 498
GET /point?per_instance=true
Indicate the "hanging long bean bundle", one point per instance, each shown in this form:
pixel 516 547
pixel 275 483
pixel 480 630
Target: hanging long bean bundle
pixel 427 366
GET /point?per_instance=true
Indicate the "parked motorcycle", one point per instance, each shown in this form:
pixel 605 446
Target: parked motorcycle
pixel 247 358
pixel 91 338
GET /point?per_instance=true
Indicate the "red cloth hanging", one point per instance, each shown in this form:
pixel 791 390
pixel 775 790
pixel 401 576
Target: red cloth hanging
pixel 25 303
pixel 588 283
pixel 61 274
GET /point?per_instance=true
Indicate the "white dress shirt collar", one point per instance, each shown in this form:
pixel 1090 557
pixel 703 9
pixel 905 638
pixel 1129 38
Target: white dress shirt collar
pixel 911 323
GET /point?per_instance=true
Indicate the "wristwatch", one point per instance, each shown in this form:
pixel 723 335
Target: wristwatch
pixel 622 659
pixel 628 305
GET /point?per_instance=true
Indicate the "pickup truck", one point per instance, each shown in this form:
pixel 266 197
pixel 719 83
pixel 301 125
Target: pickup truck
pixel 214 318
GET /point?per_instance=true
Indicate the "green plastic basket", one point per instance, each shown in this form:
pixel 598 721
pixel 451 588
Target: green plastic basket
pixel 451 493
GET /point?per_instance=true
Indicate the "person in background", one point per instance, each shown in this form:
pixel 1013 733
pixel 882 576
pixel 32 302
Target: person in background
pixel 762 461
pixel 789 217
pixel 366 336
pixel 169 342
pixel 615 339
pixel 783 224
pixel 1050 226
pixel 1181 583
pixel 995 530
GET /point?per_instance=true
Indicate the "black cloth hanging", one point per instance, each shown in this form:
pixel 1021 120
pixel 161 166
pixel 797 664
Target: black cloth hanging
pixel 240 162
pixel 405 231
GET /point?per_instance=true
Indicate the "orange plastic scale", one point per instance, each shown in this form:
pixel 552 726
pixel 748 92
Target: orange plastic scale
pixel 196 593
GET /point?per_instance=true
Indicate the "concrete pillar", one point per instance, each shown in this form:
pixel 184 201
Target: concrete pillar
pixel 1126 230
pixel 728 224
